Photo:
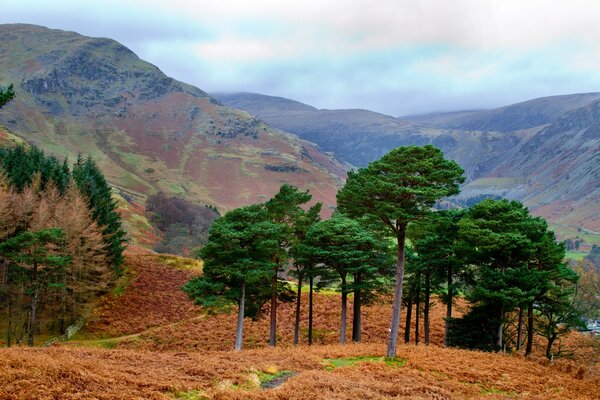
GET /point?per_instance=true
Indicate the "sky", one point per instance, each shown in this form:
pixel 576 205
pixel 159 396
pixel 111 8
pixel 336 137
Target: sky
pixel 397 57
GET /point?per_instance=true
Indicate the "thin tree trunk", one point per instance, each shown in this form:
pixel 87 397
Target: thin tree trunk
pixel 408 319
pixel 63 304
pixel 356 317
pixel 397 301
pixel 520 329
pixel 239 330
pixel 427 295
pixel 529 346
pixel 417 307
pixel 10 317
pixel 344 307
pixel 273 331
pixel 448 306
pixel 297 322
pixel 310 310
pixel 500 336
pixel 551 340
pixel 32 312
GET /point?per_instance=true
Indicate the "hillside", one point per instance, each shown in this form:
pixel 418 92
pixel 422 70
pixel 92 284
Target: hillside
pixel 149 341
pixel 542 152
pixel 148 132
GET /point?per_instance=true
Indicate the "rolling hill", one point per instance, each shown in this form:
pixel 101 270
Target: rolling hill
pixel 543 152
pixel 148 132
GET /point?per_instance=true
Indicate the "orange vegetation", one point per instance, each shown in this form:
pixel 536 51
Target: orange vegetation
pixel 168 348
pixel 429 373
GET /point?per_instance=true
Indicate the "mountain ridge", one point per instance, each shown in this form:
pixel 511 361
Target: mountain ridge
pixel 502 150
pixel 147 131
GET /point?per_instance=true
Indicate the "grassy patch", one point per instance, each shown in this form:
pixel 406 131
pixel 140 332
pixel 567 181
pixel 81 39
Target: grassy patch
pixel 181 262
pixel 575 255
pixel 265 377
pixel 191 395
pixel 333 363
pixel 492 390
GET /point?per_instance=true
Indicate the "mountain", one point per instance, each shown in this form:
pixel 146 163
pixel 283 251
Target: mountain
pixel 148 132
pixel 543 152
pixel 361 136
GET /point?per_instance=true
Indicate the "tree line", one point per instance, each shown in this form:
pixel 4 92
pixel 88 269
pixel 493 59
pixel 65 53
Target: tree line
pixel 61 241
pixel 386 236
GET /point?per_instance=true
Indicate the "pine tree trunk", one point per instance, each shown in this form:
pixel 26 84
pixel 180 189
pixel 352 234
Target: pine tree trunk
pixel 310 310
pixel 448 306
pixel 426 315
pixel 344 308
pixel 273 330
pixel 417 307
pixel 297 322
pixel 10 317
pixel 397 301
pixel 529 346
pixel 520 329
pixel 63 304
pixel 551 340
pixel 408 320
pixel 32 311
pixel 239 330
pixel 356 317
pixel 500 336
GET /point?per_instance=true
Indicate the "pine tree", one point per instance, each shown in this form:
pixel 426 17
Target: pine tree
pixel 36 253
pixel 301 268
pixel 399 188
pixel 284 209
pixel 238 263
pixel 93 186
pixel 6 95
pixel 502 239
pixel 345 247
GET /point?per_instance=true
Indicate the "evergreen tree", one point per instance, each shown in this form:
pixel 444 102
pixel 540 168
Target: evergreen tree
pixel 284 209
pixel 303 268
pixel 6 95
pixel 345 247
pixel 502 239
pixel 238 263
pixel 36 253
pixel 400 188
pixel 93 186
pixel 557 314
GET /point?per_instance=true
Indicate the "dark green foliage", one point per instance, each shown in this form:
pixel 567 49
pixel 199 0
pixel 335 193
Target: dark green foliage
pixel 476 330
pixel 93 186
pixel 31 248
pixel 399 188
pixel 343 245
pixel 21 164
pixel 556 314
pixel 239 251
pixel 6 95
pixel 36 254
pixel 344 248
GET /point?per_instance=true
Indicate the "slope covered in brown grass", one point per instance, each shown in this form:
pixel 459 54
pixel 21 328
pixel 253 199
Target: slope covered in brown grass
pixel 427 373
pixel 168 348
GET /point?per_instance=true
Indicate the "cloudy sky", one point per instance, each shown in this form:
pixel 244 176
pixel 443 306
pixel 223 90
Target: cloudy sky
pixel 394 56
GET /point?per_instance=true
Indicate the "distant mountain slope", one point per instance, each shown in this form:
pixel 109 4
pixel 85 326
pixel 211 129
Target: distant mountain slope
pixel 361 136
pixel 543 151
pixel 149 132
pixel 525 115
